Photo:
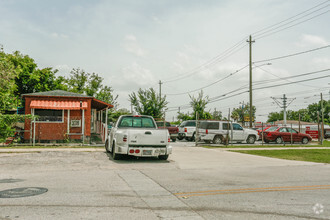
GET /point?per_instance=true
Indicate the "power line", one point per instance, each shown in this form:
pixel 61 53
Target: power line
pixel 294 54
pixel 272 80
pixel 271 86
pixel 298 94
pixel 266 60
pixel 286 78
pixel 273 25
pixel 292 25
pixel 264 33
pixel 217 81
pixel 211 62
pixel 305 80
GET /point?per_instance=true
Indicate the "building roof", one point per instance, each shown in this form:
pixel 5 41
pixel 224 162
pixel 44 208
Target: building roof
pixel 98 104
pixel 60 93
pixel 288 122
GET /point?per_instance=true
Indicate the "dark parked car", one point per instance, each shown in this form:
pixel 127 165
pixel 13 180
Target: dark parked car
pixel 283 134
pixel 173 130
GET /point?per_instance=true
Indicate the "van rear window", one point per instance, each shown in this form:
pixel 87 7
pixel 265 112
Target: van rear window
pixel 209 125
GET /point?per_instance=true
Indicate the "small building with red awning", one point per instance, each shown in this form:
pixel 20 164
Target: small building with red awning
pixel 64 116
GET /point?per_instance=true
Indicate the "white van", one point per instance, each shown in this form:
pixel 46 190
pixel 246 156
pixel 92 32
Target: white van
pixel 217 131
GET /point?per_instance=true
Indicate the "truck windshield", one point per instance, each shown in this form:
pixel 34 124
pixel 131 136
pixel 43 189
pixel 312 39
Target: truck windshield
pixel 136 122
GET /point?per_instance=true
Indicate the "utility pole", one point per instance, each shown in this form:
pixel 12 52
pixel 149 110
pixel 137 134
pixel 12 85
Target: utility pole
pixel 318 126
pixel 284 109
pixel 250 41
pixel 242 113
pixel 160 90
pixel 284 105
pixel 322 126
pixel 197 127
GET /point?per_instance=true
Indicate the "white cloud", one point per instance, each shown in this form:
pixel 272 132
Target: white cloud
pixel 312 40
pixel 63 69
pixel 321 60
pixel 132 46
pixel 156 19
pixel 135 74
pixel 57 35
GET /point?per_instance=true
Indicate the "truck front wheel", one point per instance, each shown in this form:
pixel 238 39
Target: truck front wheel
pixel 163 157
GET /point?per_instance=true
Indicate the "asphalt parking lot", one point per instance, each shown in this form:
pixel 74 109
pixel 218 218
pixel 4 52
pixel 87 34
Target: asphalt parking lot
pixel 195 183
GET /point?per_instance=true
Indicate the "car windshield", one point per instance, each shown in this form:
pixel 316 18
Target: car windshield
pixel 136 122
pixel 272 129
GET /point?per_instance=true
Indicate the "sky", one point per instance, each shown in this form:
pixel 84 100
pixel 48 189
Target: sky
pixel 187 45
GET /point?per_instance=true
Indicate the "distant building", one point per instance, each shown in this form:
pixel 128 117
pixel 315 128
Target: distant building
pixel 64 116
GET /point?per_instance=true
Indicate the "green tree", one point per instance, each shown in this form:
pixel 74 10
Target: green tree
pixel 147 102
pixel 29 78
pixel 7 123
pixel 199 104
pixel 184 116
pixel 308 115
pixel 82 82
pixel 78 80
pixel 94 84
pixel 113 116
pixel 238 114
pixel 235 115
pixel 106 95
pixel 7 82
pixel 216 115
pixel 315 108
pixel 275 116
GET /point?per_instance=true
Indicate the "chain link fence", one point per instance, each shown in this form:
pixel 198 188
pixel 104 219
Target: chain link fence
pixel 58 130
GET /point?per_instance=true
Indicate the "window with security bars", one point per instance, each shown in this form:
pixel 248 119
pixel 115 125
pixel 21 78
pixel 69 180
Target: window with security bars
pixel 48 115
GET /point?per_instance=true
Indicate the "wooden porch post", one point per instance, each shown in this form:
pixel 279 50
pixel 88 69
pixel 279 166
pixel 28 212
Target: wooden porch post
pixel 68 126
pixel 106 124
pixel 32 113
pixel 83 125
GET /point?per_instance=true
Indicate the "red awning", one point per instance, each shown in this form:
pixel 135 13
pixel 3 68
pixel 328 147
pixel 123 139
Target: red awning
pixel 47 104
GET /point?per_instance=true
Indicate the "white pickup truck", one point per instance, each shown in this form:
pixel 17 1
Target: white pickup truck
pixel 137 135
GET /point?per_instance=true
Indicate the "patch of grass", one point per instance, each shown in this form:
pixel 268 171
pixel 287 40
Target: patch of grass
pixel 264 146
pixel 48 146
pixel 311 155
pixel 325 144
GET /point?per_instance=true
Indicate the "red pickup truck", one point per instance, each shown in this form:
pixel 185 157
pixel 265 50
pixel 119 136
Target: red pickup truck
pixel 173 130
